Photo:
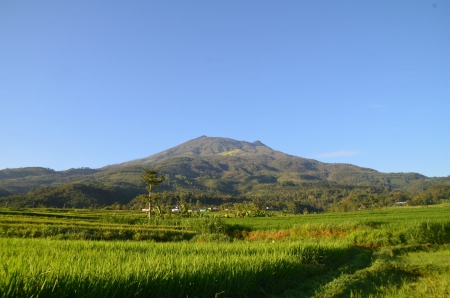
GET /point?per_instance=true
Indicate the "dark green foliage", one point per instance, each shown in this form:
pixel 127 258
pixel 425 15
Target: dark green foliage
pixel 206 225
pixel 4 192
pixel 152 178
pixel 25 172
pixel 219 171
pixel 93 233
pixel 75 195
pixel 427 233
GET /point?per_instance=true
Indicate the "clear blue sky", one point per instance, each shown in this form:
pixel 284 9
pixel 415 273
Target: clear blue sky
pixel 93 83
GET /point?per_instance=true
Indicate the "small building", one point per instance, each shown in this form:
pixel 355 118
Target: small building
pixel 199 209
pixel 271 208
pixel 400 204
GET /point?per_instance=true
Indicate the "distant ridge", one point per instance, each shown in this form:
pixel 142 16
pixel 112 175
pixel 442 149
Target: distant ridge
pixel 208 165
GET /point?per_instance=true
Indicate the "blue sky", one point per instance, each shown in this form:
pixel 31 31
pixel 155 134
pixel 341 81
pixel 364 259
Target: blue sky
pixel 93 83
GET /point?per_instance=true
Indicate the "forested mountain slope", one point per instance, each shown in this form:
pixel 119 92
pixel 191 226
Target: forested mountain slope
pixel 209 165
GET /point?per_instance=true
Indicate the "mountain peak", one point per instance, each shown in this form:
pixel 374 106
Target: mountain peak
pixel 205 146
pixel 258 143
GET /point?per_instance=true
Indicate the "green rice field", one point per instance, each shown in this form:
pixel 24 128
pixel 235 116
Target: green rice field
pixel 394 252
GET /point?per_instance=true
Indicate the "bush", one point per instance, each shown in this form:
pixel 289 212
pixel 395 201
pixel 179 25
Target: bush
pixel 206 225
pixel 427 233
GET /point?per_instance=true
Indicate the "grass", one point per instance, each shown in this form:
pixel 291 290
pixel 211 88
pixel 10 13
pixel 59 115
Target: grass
pixel 394 252
pixel 46 268
pixel 395 277
pixel 368 217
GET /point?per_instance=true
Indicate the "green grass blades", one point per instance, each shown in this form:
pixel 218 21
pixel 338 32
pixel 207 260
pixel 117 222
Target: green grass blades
pixel 394 252
pixel 53 268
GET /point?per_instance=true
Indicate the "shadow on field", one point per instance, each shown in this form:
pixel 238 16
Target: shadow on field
pixel 358 278
pixel 237 230
pixel 331 282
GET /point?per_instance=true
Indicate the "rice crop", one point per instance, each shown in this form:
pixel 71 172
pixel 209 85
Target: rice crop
pixel 99 253
pixel 53 268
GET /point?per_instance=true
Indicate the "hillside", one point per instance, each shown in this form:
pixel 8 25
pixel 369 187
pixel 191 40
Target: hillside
pixel 212 165
pixel 221 159
pixel 207 147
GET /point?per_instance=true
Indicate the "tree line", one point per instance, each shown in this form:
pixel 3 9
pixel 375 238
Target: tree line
pixel 287 196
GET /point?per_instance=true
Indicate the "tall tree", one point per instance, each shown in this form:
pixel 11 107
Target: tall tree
pixel 152 178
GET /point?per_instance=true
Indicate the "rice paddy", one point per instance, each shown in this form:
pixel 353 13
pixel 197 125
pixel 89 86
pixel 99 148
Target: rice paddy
pixel 396 252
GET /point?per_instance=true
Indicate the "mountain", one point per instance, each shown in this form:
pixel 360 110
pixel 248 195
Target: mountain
pixel 206 147
pixel 241 161
pixel 207 165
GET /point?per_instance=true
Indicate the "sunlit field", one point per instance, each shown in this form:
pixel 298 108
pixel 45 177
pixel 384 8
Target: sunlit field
pixel 396 252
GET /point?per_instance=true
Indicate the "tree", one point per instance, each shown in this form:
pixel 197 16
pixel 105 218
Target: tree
pixel 152 178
